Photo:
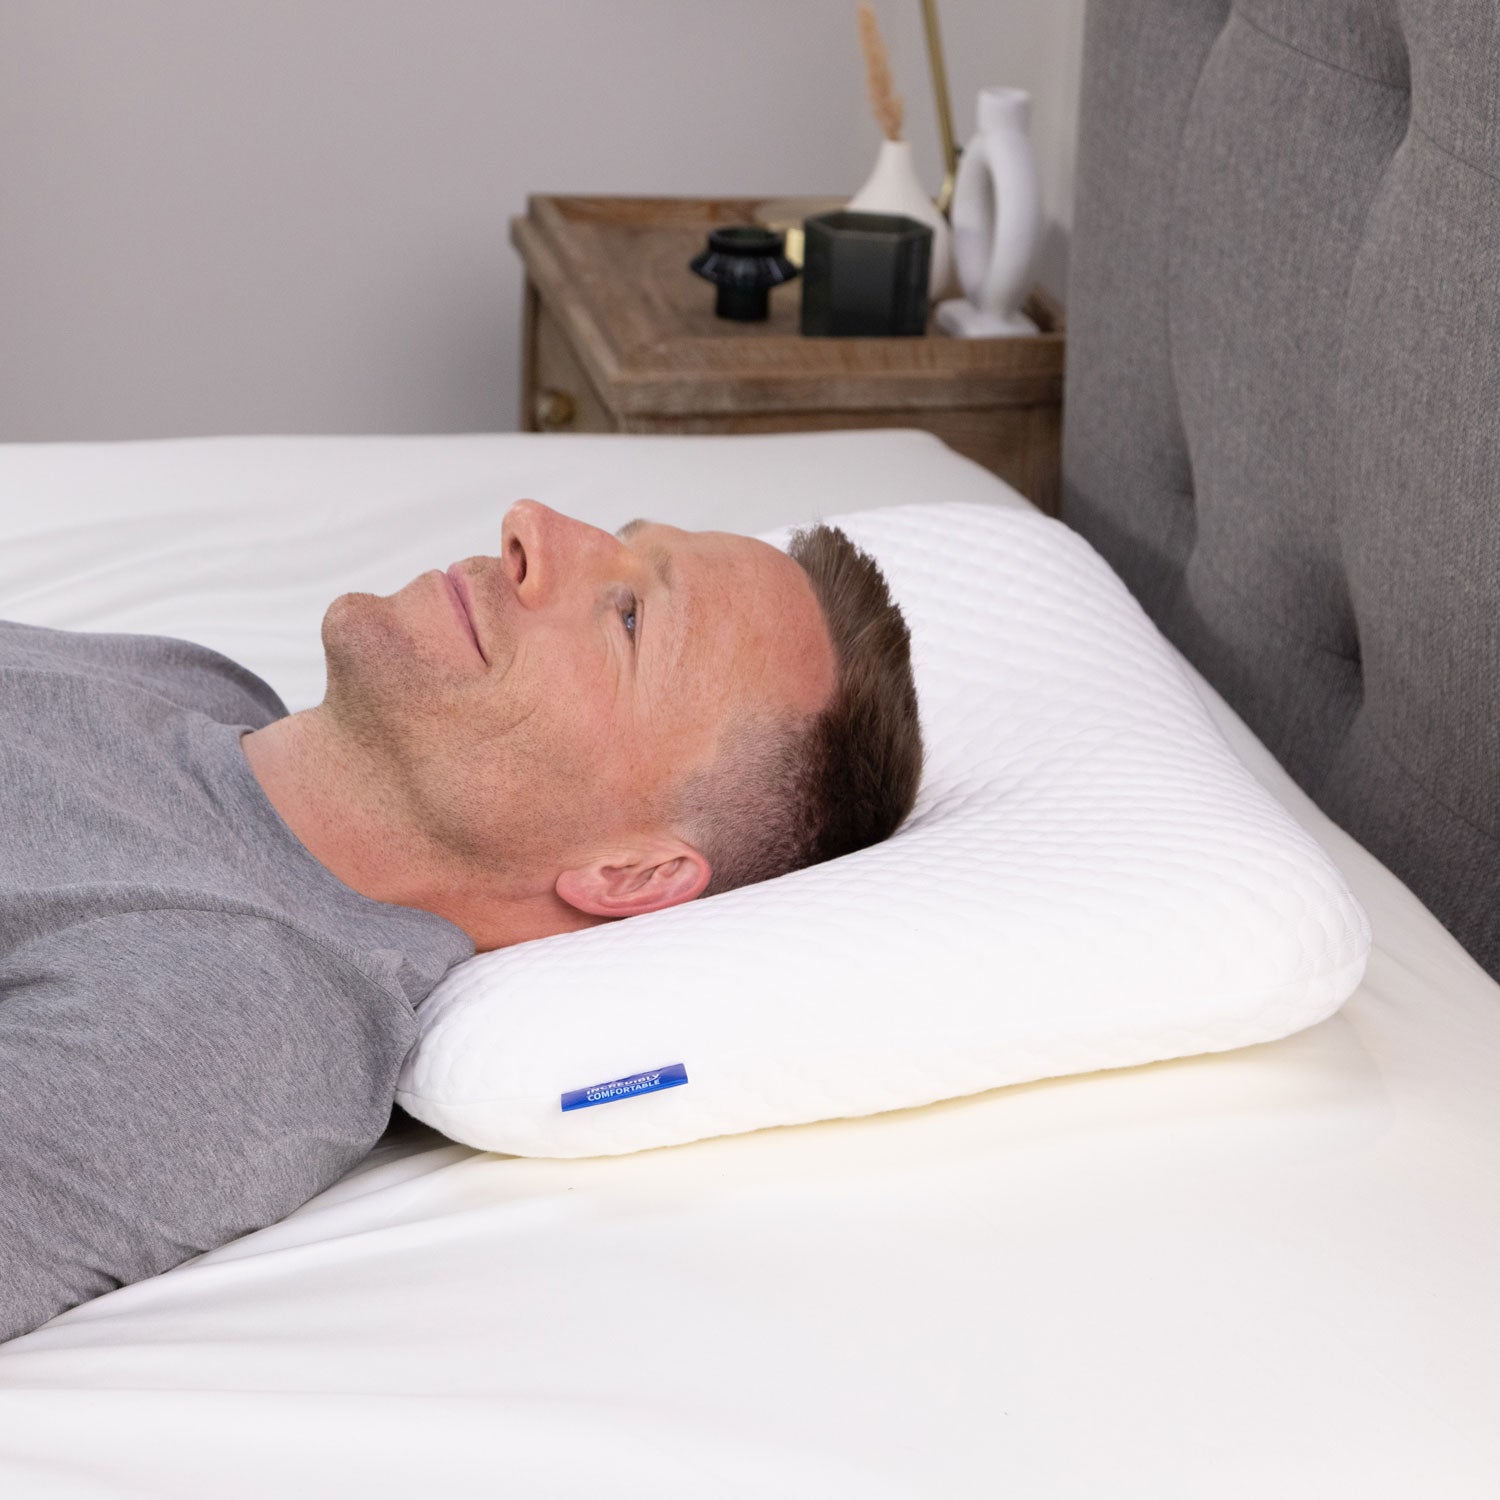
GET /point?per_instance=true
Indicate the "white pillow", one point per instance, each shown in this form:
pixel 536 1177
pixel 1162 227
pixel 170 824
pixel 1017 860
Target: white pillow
pixel 1090 879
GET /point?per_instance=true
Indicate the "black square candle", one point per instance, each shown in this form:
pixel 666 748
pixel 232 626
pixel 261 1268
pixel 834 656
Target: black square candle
pixel 864 274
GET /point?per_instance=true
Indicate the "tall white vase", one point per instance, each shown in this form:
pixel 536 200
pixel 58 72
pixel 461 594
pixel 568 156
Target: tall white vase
pixel 894 188
pixel 997 221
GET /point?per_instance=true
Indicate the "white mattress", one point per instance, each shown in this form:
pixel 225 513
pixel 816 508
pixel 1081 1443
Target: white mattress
pixel 1264 1271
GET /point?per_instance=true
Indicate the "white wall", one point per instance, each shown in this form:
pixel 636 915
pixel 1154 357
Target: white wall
pixel 290 215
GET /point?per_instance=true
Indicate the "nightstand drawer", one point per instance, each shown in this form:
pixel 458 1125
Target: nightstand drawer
pixel 564 398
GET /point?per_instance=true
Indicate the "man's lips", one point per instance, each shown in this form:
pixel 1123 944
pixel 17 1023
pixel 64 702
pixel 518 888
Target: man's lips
pixel 458 590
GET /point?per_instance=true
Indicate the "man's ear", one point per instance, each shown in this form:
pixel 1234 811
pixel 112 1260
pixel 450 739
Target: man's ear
pixel 629 885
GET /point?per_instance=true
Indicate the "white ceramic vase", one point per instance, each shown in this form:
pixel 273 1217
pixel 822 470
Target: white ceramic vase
pixel 997 221
pixel 894 188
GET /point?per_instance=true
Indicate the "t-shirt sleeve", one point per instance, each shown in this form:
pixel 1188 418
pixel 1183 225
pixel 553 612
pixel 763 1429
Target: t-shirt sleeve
pixel 171 1080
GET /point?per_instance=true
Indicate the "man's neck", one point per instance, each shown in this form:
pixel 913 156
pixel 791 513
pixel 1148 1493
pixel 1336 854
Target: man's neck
pixel 335 798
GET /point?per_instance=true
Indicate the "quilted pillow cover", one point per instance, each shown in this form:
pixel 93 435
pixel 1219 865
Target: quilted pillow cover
pixel 1090 879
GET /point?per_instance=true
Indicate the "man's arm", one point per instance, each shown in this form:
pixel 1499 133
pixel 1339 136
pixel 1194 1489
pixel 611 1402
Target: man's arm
pixel 171 1080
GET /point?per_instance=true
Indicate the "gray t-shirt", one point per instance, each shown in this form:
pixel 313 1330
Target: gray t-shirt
pixel 200 1025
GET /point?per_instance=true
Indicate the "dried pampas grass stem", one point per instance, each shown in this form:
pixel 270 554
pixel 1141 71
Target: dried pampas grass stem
pixel 878 75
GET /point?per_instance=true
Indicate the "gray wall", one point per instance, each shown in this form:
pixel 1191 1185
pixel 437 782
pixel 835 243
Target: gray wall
pixel 274 216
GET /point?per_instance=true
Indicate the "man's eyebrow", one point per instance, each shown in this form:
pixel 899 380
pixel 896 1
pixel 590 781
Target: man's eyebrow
pixel 659 558
pixel 661 565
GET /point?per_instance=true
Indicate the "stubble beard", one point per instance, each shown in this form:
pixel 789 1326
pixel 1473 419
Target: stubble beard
pixel 401 713
pixel 377 679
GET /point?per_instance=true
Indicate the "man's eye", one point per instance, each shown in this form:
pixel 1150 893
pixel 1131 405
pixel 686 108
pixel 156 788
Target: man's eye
pixel 627 614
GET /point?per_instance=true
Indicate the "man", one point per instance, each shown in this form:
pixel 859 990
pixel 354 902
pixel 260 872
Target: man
pixel 216 919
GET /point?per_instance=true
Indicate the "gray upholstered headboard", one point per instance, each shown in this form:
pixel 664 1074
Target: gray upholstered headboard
pixel 1282 418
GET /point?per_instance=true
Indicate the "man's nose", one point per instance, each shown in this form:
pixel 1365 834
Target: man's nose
pixel 543 549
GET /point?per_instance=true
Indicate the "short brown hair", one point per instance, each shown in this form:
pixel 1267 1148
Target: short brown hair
pixel 788 793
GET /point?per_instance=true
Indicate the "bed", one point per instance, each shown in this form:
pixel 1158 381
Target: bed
pixel 1267 1270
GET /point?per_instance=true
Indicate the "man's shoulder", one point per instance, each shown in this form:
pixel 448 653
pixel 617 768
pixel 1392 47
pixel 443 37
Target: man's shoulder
pixel 252 992
pixel 224 951
pixel 170 1079
pixel 183 672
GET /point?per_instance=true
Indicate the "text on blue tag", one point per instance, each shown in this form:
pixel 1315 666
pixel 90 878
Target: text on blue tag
pixel 626 1088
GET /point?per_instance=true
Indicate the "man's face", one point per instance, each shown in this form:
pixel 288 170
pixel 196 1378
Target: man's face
pixel 543 706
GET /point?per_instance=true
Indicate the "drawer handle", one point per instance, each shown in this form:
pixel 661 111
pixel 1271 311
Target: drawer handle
pixel 554 409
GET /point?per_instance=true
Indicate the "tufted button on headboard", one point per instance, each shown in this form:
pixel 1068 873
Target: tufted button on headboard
pixel 1282 415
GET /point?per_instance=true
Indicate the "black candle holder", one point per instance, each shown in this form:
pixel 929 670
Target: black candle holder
pixel 744 261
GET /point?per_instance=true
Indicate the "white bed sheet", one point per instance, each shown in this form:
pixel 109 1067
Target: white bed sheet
pixel 1265 1271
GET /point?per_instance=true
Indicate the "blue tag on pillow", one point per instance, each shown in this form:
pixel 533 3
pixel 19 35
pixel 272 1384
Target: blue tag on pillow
pixel 626 1088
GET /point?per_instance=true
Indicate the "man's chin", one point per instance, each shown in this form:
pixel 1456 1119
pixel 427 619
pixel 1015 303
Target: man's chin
pixel 381 675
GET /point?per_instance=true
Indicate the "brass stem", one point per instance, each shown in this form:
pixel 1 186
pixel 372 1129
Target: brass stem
pixel 940 97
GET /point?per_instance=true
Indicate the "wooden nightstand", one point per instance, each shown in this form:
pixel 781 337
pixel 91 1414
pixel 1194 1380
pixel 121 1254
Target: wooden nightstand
pixel 620 336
